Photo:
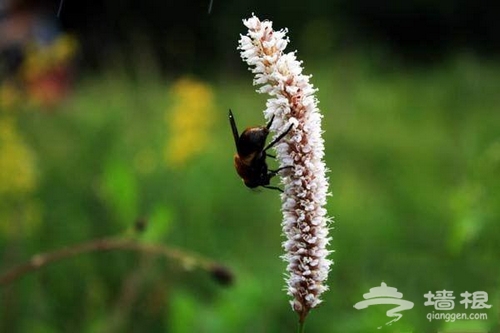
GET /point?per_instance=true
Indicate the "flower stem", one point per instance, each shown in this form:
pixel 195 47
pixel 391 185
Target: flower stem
pixel 301 326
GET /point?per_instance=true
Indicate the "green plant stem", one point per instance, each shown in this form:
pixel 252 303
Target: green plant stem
pixel 301 326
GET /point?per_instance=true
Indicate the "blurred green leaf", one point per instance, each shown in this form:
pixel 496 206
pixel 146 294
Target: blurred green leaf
pixel 39 327
pixel 473 326
pixel 120 190
pixel 158 224
pixel 183 313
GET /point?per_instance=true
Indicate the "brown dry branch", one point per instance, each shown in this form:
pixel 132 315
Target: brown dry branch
pixel 187 260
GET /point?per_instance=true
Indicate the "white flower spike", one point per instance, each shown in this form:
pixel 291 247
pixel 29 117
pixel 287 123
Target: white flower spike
pixel 305 221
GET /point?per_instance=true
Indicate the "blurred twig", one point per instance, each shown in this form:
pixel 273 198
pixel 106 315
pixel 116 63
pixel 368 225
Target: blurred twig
pixel 222 274
pixel 60 8
pixel 130 291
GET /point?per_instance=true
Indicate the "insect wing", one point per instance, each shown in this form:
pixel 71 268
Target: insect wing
pixel 233 128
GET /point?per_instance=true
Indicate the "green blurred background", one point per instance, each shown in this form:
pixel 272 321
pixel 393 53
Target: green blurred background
pixel 117 111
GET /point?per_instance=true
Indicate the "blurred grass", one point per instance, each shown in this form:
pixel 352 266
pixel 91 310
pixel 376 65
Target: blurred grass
pixel 414 157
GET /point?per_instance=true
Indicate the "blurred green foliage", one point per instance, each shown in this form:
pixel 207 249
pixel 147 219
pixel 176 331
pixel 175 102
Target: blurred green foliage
pixel 414 156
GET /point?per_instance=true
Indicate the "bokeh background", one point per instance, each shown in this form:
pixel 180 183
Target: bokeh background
pixel 114 111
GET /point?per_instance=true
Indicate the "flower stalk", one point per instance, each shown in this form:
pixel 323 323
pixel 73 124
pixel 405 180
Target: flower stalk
pixel 291 101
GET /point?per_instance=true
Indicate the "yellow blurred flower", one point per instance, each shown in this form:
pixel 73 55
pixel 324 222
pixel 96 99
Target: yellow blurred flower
pixel 64 48
pixel 42 59
pixel 17 161
pixel 188 120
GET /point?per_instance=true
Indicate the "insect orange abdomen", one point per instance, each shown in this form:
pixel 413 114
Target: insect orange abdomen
pixel 243 166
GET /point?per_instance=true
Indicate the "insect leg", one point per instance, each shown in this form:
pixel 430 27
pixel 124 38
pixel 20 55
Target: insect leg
pixel 268 126
pixel 278 138
pixel 273 188
pixel 271 156
pixel 274 172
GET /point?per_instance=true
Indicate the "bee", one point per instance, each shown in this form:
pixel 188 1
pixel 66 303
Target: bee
pixel 251 153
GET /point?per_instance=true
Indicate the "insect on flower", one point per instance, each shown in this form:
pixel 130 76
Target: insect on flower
pixel 251 153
